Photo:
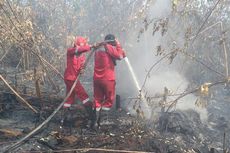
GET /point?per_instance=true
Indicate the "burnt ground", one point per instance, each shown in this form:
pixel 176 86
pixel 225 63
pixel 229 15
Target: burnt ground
pixel 175 132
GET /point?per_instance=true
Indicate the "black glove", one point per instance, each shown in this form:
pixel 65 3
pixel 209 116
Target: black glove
pixel 77 53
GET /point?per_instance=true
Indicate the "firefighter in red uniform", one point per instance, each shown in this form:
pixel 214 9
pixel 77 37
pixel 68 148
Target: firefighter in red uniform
pixel 75 63
pixel 104 75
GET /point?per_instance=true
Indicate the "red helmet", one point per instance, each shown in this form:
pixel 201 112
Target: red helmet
pixel 80 41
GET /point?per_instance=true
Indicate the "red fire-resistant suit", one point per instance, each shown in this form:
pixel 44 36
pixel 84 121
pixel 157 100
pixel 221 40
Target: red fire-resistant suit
pixel 75 62
pixel 104 75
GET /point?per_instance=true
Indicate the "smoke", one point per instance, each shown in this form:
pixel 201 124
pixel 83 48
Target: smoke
pixel 176 84
pixel 142 56
pixel 160 9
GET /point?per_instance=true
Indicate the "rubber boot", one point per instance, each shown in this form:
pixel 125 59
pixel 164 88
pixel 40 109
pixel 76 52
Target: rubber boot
pixel 93 119
pixel 98 118
pixel 90 114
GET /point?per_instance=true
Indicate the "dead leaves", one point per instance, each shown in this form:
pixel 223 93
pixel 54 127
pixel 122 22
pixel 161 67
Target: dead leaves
pixel 162 25
pixel 173 55
pixel 203 93
pixel 204 88
pixel 159 25
pixel 174 51
pixel 9 133
pixel 174 5
pixel 160 51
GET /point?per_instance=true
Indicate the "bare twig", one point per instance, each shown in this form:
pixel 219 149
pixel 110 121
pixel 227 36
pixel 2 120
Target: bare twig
pixel 48 75
pixel 33 96
pixel 199 31
pixel 211 26
pixel 37 87
pixel 224 48
pixel 224 142
pixel 48 64
pixel 202 63
pixel 19 62
pixel 13 11
pixel 206 19
pixel 6 51
pixel 185 53
pixel 151 68
pixel 11 21
pixel 33 52
pixel 23 100
pixel 28 47
pixel 156 97
pixel 174 102
pixel 37 84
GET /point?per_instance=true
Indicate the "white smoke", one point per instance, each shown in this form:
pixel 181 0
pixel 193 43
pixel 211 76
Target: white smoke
pixel 142 57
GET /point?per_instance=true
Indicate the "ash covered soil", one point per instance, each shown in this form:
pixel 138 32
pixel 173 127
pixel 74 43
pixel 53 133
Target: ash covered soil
pixel 174 132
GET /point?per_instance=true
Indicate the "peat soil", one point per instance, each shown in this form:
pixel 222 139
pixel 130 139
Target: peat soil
pixel 174 132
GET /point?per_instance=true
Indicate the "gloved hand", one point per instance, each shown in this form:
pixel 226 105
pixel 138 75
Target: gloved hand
pixel 124 54
pixel 82 70
pixel 94 46
pixel 77 53
pixel 117 42
pixel 97 45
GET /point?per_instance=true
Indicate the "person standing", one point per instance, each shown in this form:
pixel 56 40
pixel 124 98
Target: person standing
pixel 106 55
pixel 75 65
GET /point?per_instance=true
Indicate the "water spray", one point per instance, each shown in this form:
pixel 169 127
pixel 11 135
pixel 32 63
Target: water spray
pixel 145 107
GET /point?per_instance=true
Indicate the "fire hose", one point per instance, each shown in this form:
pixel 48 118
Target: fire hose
pixel 14 146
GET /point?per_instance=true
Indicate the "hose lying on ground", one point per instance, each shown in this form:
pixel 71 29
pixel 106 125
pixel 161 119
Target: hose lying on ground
pixel 17 144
